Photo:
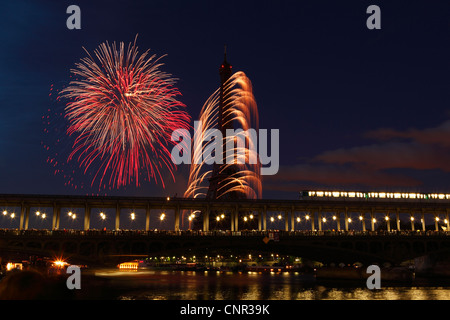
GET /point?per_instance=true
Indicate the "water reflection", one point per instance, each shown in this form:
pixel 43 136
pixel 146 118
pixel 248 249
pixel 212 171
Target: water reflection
pixel 191 285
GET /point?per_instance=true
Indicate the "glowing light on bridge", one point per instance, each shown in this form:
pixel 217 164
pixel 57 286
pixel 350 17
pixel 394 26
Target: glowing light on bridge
pixel 5 212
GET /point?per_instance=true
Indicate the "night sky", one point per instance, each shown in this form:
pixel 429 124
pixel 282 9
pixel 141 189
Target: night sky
pixel 356 108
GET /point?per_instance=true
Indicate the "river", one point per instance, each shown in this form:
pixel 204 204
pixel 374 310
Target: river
pixel 212 285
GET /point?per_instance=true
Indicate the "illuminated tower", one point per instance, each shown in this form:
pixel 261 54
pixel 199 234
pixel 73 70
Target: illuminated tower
pixel 221 177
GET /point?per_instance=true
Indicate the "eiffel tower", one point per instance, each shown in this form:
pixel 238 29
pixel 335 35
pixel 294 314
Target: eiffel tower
pixel 219 183
pixel 221 173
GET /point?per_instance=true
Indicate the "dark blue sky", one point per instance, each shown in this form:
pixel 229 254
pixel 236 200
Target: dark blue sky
pixel 356 108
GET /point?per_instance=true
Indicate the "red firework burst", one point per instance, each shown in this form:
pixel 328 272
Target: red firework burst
pixel 122 111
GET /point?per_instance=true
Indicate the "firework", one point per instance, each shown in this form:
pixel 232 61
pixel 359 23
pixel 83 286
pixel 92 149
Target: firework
pixel 122 110
pixel 245 179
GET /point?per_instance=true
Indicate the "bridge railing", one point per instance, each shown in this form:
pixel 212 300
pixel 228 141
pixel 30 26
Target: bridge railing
pixel 272 234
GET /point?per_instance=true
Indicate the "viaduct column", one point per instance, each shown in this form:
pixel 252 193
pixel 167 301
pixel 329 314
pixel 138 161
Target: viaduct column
pixel 22 216
pixel 206 219
pixel 117 216
pixel 338 220
pixel 448 222
pixel 177 218
pixel 346 218
pixel 319 218
pixel 412 220
pixel 363 221
pixel 264 218
pixel 236 218
pixel 423 220
pixel 372 219
pixel 397 216
pixel 291 213
pixel 56 217
pixel 147 217
pixel 287 216
pixel 27 217
pixel 87 217
pixel 259 220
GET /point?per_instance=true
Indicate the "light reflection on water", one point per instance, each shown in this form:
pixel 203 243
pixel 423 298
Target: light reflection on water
pixel 187 285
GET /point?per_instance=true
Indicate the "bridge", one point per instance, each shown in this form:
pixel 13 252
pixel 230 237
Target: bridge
pixel 308 213
pixel 310 227
pixel 112 247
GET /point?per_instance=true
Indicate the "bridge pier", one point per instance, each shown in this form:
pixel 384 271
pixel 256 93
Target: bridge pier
pixel 448 222
pixel 117 221
pixel 346 218
pixel 363 221
pixel 423 220
pixel 397 216
pixel 56 217
pixel 338 221
pixel 259 221
pixel 412 220
pixel 319 220
pixel 147 217
pixel 264 218
pixel 87 217
pixel 177 218
pixel 236 218
pixel 22 216
pixel 205 218
pixel 292 215
pixel 286 220
pixel 27 218
pixel 388 222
